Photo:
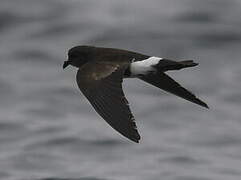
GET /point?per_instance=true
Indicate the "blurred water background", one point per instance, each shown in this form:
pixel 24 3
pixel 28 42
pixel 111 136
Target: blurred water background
pixel 49 131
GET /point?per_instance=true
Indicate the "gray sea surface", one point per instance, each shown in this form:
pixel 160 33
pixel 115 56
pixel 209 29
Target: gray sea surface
pixel 48 130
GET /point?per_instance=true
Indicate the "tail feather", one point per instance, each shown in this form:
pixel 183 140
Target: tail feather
pixel 188 63
pixel 167 65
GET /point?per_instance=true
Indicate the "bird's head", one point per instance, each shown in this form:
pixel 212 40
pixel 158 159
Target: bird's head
pixel 78 56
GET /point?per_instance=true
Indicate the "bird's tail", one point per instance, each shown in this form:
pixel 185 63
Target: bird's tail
pixel 167 65
pixel 166 83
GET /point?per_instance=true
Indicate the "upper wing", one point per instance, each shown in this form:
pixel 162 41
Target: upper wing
pixel 163 81
pixel 101 83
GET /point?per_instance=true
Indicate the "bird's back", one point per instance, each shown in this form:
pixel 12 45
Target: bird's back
pixel 118 55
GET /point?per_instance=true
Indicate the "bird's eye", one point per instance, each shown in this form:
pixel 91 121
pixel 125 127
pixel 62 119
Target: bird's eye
pixel 73 56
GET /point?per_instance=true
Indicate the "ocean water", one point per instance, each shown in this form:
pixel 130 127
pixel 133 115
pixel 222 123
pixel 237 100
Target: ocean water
pixel 48 130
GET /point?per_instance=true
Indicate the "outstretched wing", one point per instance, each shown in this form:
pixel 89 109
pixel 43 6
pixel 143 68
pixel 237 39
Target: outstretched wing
pixel 163 81
pixel 101 83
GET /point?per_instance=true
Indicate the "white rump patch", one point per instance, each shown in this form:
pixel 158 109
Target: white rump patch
pixel 144 66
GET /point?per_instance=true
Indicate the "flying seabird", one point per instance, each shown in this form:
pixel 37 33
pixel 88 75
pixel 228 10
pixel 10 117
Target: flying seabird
pixel 100 76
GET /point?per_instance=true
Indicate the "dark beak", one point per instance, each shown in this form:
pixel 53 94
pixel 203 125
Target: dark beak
pixel 66 63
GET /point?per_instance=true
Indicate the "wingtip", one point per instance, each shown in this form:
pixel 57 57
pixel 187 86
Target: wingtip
pixel 206 106
pixel 203 104
pixel 136 138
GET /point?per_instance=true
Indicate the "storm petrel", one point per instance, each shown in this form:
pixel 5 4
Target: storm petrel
pixel 100 75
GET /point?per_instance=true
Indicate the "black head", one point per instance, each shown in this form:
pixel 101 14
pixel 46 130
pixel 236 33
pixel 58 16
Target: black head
pixel 79 55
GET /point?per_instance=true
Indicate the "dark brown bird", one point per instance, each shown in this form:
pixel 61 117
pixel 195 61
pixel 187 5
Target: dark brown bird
pixel 100 75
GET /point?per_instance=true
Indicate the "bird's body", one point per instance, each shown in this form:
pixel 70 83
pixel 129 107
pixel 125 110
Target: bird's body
pixel 100 75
